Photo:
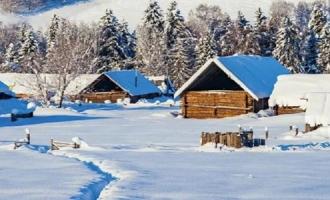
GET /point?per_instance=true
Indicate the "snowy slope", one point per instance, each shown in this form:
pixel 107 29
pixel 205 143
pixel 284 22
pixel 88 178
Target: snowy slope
pixel 132 12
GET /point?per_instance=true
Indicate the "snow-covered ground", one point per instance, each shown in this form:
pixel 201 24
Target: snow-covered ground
pixel 132 11
pixel 144 152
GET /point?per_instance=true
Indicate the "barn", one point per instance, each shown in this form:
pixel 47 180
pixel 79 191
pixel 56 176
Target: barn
pixel 114 85
pixel 5 92
pixel 230 86
pixel 290 92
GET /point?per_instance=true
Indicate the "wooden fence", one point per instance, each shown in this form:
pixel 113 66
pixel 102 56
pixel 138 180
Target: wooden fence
pixel 26 141
pixel 233 139
pixel 57 145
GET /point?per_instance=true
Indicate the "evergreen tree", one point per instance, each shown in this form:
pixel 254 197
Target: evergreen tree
pixel 127 40
pixel 28 52
pixel 227 43
pixel 302 15
pixel 183 54
pixel 242 30
pixel 110 53
pixel 11 62
pixel 324 50
pixel 318 20
pixel 241 21
pixel 52 30
pixel 309 53
pixel 172 25
pixel 261 36
pixel 287 46
pixel 151 51
pixel 205 49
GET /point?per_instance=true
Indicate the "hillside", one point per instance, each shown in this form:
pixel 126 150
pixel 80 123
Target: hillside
pixel 35 6
pixel 92 10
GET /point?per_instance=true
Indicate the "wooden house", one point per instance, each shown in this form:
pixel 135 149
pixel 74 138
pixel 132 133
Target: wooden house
pixel 230 86
pixel 25 86
pixel 164 83
pixel 290 92
pixel 118 85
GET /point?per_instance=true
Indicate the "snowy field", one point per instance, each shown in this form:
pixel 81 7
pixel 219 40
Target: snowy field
pixel 92 10
pixel 144 152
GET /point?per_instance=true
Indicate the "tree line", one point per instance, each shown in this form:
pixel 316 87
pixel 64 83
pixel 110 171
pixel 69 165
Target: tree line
pixel 165 43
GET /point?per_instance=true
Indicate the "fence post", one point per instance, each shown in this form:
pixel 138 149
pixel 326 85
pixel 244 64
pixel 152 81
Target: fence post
pixel 290 127
pixel 297 131
pixel 266 133
pixel 51 144
pixel 28 137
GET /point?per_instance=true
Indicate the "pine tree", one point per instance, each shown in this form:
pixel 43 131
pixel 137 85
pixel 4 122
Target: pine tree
pixel 242 30
pixel 151 51
pixel 324 50
pixel 261 36
pixel 52 30
pixel 227 43
pixel 205 49
pixel 242 23
pixel 302 15
pixel 127 40
pixel 11 62
pixel 172 25
pixel 287 46
pixel 309 53
pixel 110 53
pixel 318 20
pixel 183 57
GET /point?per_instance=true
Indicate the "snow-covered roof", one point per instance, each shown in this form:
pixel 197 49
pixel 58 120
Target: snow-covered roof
pixel 27 84
pixel 318 109
pixel 292 90
pixel 132 82
pixel 5 89
pixel 255 74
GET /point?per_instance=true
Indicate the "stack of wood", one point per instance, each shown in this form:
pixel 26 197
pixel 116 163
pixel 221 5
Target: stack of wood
pixel 101 97
pixel 216 104
pixel 232 139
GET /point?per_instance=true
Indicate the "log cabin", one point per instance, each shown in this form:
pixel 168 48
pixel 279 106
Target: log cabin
pixel 290 91
pixel 230 86
pixel 118 85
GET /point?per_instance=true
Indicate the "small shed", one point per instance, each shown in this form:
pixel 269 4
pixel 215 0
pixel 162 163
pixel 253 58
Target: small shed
pixel 230 86
pixel 114 85
pixel 291 92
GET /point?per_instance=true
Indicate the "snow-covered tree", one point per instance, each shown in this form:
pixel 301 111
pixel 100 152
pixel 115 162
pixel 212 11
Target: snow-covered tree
pixel 28 52
pixel 227 43
pixel 318 20
pixel 302 15
pixel 205 49
pixel 324 49
pixel 309 53
pixel 261 35
pixel 110 54
pixel 52 30
pixel 11 61
pixel 173 22
pixel 151 51
pixel 287 46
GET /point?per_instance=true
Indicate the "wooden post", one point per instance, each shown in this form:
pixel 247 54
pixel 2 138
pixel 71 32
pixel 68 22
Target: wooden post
pixel 52 144
pixel 28 138
pixel 217 139
pixel 290 127
pixel 266 133
pixel 297 131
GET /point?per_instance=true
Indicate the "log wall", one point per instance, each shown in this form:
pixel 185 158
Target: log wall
pixel 100 97
pixel 216 104
pixel 288 110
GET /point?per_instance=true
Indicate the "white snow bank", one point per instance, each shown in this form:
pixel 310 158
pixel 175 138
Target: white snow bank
pixel 318 109
pixel 292 90
pixel 80 142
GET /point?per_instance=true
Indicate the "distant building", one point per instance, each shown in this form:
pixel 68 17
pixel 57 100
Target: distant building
pixel 230 86
pixel 291 92
pixel 164 83
pixel 118 85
